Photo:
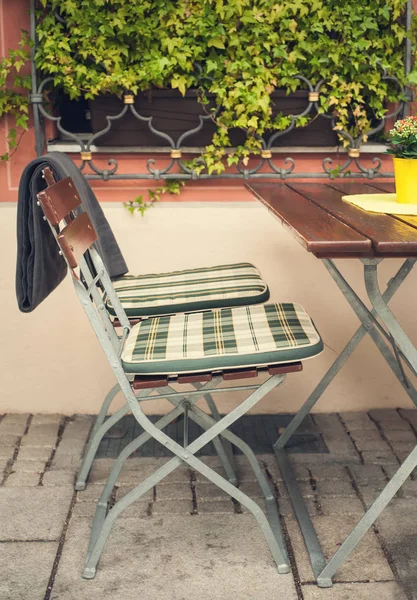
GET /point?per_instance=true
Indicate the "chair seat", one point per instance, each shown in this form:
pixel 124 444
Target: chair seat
pixel 191 290
pixel 228 338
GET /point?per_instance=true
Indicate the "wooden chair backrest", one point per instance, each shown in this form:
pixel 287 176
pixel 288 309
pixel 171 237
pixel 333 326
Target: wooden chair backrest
pixel 58 201
pixel 76 238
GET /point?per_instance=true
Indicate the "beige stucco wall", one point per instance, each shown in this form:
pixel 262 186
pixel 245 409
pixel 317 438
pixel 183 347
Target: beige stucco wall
pixel 50 360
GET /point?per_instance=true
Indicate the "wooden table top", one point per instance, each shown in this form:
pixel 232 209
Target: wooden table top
pixel 329 227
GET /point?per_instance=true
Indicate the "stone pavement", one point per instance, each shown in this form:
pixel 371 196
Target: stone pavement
pixel 187 539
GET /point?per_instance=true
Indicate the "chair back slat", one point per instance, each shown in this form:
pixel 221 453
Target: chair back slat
pixel 59 200
pixel 76 238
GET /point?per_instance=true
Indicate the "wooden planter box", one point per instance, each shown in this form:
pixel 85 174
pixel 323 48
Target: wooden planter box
pixel 174 114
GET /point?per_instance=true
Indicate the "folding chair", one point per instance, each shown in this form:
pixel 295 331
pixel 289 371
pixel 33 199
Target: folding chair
pixel 160 294
pixel 209 347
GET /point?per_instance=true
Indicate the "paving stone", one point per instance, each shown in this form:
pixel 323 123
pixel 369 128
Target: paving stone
pixel 358 421
pixel 38 441
pixel 181 475
pixel 401 435
pixel 13 424
pixel 286 510
pixel 22 479
pixel 125 489
pixel 3 464
pixel 329 423
pixel 335 488
pixel 390 470
pixel 54 478
pixel 9 439
pixel 374 457
pixel 379 445
pixel 409 415
pixel 67 462
pixel 28 466
pixel 386 590
pixel 367 561
pixel 251 489
pixel 174 507
pixel 302 473
pixel 78 428
pixel 336 472
pixel 409 489
pixel 368 474
pixel 35 513
pixel 365 434
pixel 340 446
pixel 47 429
pixel 100 473
pixel 384 414
pixel 341 506
pixel 174 491
pixel 400 448
pixel 325 458
pixel 402 455
pixel 246 474
pixel 36 454
pixel 26 568
pixel 209 491
pixel 70 447
pixel 305 487
pixel 92 493
pixel 7 452
pixel 46 419
pixel 390 420
pixel 138 509
pixel 218 506
pixel 209 557
pixel 397 525
pixel 201 479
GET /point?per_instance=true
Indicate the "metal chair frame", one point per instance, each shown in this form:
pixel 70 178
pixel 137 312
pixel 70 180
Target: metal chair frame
pixel 90 297
pixel 102 425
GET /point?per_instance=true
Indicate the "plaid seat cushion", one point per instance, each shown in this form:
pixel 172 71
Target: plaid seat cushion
pixel 221 339
pixel 191 290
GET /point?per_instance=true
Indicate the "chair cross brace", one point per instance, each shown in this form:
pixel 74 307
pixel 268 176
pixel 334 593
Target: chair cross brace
pixel 101 527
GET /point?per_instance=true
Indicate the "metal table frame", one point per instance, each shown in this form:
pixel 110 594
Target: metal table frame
pixel 396 347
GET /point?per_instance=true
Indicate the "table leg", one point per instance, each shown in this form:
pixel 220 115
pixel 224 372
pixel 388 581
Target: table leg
pixel 368 326
pixel 406 351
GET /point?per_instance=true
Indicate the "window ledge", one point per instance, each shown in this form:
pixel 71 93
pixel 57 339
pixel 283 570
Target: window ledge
pixel 66 146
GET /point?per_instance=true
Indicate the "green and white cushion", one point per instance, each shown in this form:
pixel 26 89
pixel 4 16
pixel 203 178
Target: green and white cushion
pixel 221 339
pixel 191 290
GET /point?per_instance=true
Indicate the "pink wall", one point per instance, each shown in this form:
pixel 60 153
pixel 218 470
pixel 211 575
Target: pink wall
pixel 14 17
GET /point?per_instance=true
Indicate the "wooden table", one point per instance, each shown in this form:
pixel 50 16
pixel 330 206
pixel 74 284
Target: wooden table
pixel 331 228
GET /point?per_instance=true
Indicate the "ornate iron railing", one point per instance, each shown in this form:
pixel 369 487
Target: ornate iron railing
pixel 262 166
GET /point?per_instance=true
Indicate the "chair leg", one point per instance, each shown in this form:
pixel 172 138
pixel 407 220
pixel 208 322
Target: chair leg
pixel 223 447
pixel 104 408
pixel 97 548
pixel 271 504
pixel 94 444
pixel 102 505
pixel 187 455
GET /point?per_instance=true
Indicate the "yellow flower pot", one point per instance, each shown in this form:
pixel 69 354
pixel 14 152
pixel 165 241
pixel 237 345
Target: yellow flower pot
pixel 405 170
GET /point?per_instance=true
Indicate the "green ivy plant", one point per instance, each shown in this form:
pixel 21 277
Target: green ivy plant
pixel 245 49
pixel 13 91
pixel 140 205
